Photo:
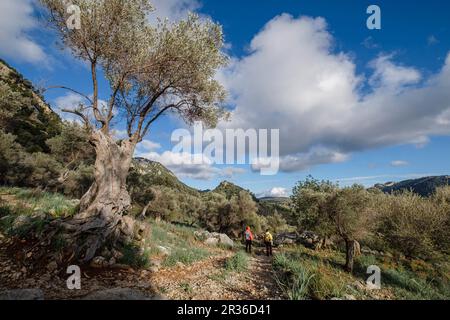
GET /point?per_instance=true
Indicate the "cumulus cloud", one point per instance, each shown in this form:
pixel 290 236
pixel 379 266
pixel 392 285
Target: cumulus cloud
pixel 293 79
pixel 150 145
pixel 187 165
pixel 16 20
pixel 399 163
pixel 276 192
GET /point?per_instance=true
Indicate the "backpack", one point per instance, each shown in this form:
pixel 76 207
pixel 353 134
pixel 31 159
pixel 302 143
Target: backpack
pixel 268 237
pixel 248 235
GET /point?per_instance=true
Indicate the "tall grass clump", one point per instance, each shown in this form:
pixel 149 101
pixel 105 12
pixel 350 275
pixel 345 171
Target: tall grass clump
pixel 238 262
pixel 185 255
pixel 292 277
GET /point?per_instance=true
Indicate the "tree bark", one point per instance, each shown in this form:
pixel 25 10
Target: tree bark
pixel 103 205
pixel 350 254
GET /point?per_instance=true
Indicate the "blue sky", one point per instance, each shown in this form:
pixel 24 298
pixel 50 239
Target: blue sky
pixel 384 116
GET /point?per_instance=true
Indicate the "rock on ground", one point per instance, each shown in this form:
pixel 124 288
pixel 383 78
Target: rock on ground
pixel 121 294
pixel 213 238
pixel 22 294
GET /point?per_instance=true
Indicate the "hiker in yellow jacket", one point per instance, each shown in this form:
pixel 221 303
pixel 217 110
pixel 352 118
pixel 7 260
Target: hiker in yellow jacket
pixel 268 240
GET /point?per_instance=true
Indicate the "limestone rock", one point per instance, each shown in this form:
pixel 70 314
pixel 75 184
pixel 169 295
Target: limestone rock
pixel 22 294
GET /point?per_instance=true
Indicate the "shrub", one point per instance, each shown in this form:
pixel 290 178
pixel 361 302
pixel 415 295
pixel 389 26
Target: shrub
pixel 413 225
pixel 238 262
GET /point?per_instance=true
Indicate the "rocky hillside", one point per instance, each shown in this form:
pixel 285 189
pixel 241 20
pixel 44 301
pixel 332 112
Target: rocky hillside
pixel 24 113
pixel 152 173
pixel 423 186
pixel 230 189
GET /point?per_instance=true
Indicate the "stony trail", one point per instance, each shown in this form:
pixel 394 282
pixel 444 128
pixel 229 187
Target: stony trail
pixel 209 280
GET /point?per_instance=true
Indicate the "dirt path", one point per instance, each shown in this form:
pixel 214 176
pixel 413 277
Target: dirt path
pixel 211 281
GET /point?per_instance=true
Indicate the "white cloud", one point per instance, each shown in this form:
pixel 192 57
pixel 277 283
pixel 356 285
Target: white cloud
pixel 16 20
pixel 71 101
pixel 174 9
pixel 230 172
pixel 150 145
pixel 388 75
pixel 186 165
pixel 276 192
pixel 293 79
pixel 399 163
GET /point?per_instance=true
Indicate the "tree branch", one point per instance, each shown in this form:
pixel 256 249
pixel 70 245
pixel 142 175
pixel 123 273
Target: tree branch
pixel 72 90
pixel 97 113
pixel 156 116
pixel 81 115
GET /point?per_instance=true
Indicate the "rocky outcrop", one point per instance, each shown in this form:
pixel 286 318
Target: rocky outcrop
pixel 307 238
pixel 214 238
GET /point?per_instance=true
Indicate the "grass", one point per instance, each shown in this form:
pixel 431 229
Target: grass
pixel 238 262
pixel 27 212
pixel 292 277
pixel 31 201
pixel 306 274
pixel 186 256
pixel 178 239
pixel 409 279
pixel 302 273
pixel 133 257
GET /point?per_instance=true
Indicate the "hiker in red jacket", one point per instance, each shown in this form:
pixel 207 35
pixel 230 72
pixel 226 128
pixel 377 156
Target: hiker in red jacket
pixel 248 240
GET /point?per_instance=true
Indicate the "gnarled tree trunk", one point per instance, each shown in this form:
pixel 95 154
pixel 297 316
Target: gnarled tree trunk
pixel 102 207
pixel 353 250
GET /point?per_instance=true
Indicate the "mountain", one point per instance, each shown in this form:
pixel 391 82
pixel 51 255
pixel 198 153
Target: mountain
pixel 425 186
pixel 152 173
pixel 24 112
pixel 275 199
pixel 230 189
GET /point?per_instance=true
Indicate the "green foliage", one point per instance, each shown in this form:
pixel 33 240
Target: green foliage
pixel 35 200
pixel 185 255
pixel 292 277
pixel 23 112
pixel 238 262
pixel 323 207
pixel 309 199
pixel 277 223
pixel 408 286
pixel 413 225
pixel 230 216
pixel 179 241
pixel 230 190
pixel 133 257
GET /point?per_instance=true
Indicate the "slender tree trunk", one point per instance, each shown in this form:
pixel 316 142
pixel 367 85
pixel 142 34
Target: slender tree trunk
pixel 350 254
pixel 103 205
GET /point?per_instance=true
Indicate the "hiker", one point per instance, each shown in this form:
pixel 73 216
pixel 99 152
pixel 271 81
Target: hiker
pixel 268 240
pixel 248 240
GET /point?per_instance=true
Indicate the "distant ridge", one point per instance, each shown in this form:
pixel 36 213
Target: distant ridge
pixel 425 186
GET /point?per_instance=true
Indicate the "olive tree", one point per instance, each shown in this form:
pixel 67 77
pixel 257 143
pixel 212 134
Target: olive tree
pixel 151 70
pixel 328 210
pixel 349 210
